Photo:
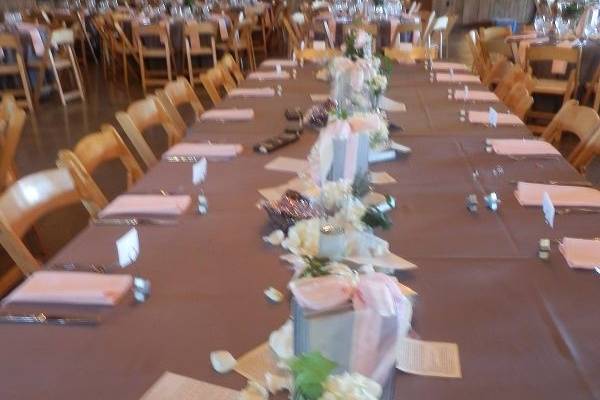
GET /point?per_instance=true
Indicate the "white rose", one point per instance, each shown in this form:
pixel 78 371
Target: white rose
pixel 303 237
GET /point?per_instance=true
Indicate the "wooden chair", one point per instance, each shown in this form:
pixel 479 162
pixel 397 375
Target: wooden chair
pixel 89 153
pixel 159 50
pixel 123 52
pixel 176 94
pixel 240 43
pixel 9 139
pixel 519 100
pixel 293 40
pixel 10 43
pixel 194 35
pixel 581 159
pixel 442 28
pixel 591 89
pixel 61 57
pixel 259 31
pixel 404 29
pixel 581 120
pixel 21 205
pixel 557 87
pixel 414 54
pixel 215 82
pixel 316 54
pixel 428 27
pixel 140 116
pixel 228 63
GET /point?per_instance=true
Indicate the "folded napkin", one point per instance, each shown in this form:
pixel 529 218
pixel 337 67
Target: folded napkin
pixel 476 95
pixel 522 147
pixel 531 194
pixel 229 114
pixel 269 75
pixel 442 77
pixel 279 61
pixel 439 65
pixel 204 150
pixel 145 204
pixel 67 287
pixel 252 92
pixel 581 253
pixel 482 117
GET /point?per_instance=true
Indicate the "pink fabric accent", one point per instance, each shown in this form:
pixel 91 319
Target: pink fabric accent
pixel 231 114
pixel 457 78
pixel 482 117
pixel 66 287
pixel 530 194
pixel 131 204
pixel 516 147
pixel 477 95
pixel 204 150
pixel 322 293
pixel 581 253
pixel 36 37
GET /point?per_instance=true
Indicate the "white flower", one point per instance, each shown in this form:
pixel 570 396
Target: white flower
pixel 303 237
pixel 351 214
pixel 350 387
pixel 275 238
pixel 335 194
pixel 362 39
pixel 281 341
pixel 298 18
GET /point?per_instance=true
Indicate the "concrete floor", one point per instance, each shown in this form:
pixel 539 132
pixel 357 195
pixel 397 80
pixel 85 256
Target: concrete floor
pixel 54 127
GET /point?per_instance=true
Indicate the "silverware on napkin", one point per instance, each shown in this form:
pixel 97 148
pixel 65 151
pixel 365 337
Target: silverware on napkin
pixel 183 159
pixel 43 318
pixel 577 210
pixel 133 221
pixel 559 183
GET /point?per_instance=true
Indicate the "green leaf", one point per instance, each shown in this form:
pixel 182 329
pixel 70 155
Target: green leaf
pixel 310 371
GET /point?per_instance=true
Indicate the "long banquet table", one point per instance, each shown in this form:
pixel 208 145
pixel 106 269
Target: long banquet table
pixel 526 328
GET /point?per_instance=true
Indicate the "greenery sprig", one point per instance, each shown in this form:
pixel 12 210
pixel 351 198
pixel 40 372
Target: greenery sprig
pixel 315 266
pixel 310 372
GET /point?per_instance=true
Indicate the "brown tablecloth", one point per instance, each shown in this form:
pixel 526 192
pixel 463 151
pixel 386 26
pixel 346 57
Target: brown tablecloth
pixel 526 329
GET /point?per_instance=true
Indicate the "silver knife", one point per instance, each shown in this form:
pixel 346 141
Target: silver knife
pixel 42 318
pixel 560 183
pixel 183 159
pixel 133 221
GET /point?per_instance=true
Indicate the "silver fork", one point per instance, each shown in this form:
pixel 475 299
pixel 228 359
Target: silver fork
pixel 577 210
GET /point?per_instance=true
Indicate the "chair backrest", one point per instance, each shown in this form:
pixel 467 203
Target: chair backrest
pixel 63 36
pixel 214 81
pixel 428 27
pixel 142 115
pixel 293 38
pixel 234 69
pixel 581 159
pixel 416 53
pixel 405 28
pixel 160 31
pixel 27 200
pixel 514 75
pixel 174 95
pixel 495 32
pixel 519 100
pixel 580 120
pixel 554 53
pixel 15 121
pixel 92 151
pixel 194 31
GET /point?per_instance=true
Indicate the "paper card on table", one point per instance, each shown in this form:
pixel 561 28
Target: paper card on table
pixel 319 98
pixel 493 117
pixel 475 95
pixel 531 194
pixel 171 386
pixel 400 148
pixel 524 147
pixel 252 92
pixel 287 164
pixel 381 178
pixel 256 363
pixel 389 261
pixel 128 248
pixel 390 105
pixel 483 117
pixel 319 45
pixel 548 209
pixel 428 358
pixel 232 114
pixel 199 171
pixel 581 253
pixel 69 287
pixel 443 77
pixel 438 65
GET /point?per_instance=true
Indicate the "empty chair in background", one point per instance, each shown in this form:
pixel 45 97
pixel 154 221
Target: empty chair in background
pixel 174 95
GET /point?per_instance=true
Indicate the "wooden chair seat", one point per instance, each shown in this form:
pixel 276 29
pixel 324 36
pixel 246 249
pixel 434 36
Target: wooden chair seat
pixel 550 86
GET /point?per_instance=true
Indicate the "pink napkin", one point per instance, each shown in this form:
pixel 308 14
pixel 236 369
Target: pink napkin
pixel 143 204
pixel 229 114
pixel 67 287
pixel 518 147
pixel 482 117
pixel 252 92
pixel 560 67
pixel 530 194
pixel 36 38
pixel 442 77
pixel 439 65
pixel 476 95
pixel 204 150
pixel 270 75
pixel 581 253
pixel 279 61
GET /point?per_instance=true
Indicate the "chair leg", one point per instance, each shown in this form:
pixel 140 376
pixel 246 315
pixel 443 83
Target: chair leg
pixel 125 70
pixel 77 72
pixel 143 74
pixel 25 82
pixel 57 79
